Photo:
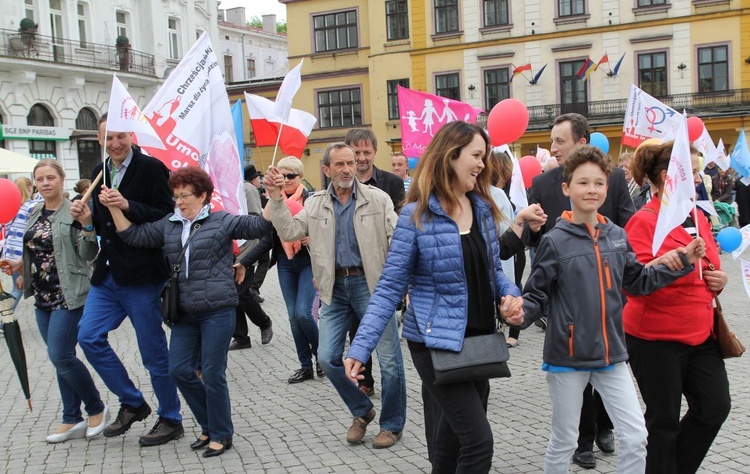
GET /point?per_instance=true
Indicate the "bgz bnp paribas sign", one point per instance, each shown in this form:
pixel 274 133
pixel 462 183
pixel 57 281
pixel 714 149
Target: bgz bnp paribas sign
pixel 31 132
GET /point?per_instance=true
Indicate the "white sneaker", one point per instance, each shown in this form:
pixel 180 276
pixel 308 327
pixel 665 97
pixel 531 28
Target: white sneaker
pixel 93 431
pixel 77 431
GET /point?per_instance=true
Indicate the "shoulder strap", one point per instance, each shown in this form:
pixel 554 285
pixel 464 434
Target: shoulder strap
pixel 176 266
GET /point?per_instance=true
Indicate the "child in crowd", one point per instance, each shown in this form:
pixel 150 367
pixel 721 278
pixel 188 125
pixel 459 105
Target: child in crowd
pixel 580 269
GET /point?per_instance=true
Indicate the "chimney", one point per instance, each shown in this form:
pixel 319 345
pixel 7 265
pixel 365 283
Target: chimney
pixel 222 15
pixel 269 23
pixel 236 16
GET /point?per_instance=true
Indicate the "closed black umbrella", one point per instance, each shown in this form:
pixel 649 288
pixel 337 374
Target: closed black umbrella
pixel 15 343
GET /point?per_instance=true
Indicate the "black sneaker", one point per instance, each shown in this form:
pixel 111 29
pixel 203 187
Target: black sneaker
pixel 125 419
pixel 236 345
pixel 541 323
pixel 319 370
pixel 162 432
pixel 301 375
pixel 266 335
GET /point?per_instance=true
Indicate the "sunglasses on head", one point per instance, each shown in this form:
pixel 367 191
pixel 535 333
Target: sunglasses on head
pixel 290 175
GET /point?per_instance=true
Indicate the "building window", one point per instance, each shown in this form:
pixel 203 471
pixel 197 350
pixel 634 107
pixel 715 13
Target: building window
pixel 446 16
pixel 29 9
pixel 174 43
pixel 571 7
pixel 393 113
pixel 652 73
pixel 496 12
pixel 396 20
pixel 335 31
pixel 573 92
pixel 496 86
pixel 82 25
pixel 250 68
pixel 713 69
pixel 86 120
pixel 228 69
pixel 122 23
pixel 340 108
pixel 448 85
pixel 651 3
pixel 41 117
pixel 89 151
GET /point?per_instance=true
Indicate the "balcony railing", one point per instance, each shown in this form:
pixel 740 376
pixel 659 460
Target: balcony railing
pixel 611 111
pixel 31 45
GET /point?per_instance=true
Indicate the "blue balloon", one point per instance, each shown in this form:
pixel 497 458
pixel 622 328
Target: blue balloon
pixel 729 238
pixel 600 141
pixel 412 162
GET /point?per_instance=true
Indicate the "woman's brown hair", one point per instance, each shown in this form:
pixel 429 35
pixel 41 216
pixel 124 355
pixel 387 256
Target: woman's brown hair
pixel 196 178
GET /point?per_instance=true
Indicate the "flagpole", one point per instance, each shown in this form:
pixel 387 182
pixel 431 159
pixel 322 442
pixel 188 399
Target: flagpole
pixel 260 158
pixel 697 234
pixel 278 137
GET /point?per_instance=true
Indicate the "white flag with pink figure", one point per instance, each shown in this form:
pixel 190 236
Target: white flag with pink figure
pixel 124 115
pixel 678 189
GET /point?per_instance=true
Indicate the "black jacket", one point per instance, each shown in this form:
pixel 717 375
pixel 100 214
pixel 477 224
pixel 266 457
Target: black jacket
pixel 391 184
pixel 145 187
pixel 546 190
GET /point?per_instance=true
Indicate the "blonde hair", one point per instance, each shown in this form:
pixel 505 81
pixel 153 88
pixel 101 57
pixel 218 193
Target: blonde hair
pixel 434 173
pixel 24 184
pixel 52 163
pixel 292 164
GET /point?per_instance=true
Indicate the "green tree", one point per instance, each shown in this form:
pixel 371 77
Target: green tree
pixel 257 22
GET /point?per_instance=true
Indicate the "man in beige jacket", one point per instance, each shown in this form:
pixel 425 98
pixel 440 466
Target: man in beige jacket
pixel 350 226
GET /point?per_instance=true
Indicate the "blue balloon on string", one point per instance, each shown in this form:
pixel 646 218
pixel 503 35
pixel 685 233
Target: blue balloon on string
pixel 412 162
pixel 729 238
pixel 600 141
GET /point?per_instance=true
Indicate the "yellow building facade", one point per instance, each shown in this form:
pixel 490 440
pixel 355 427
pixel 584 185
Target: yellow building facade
pixel 691 54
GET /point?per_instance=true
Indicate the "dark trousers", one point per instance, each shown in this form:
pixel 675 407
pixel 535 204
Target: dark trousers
pixel 249 306
pixel 519 264
pixel 369 380
pixel 458 434
pixel 666 371
pixel 259 275
pixel 594 419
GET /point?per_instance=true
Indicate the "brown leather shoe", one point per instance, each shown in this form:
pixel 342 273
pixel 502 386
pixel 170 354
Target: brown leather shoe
pixel 359 427
pixel 369 391
pixel 385 439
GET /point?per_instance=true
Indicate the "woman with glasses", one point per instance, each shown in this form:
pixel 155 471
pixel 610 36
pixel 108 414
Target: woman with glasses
pixel 56 249
pixel 207 295
pixel 295 276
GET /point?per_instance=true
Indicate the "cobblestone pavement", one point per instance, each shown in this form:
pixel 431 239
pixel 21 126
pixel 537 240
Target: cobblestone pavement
pixel 302 428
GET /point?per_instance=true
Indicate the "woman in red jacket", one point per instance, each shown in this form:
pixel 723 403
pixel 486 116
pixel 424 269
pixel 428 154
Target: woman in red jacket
pixel 669 335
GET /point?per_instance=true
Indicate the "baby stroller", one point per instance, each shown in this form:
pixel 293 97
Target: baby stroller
pixel 726 216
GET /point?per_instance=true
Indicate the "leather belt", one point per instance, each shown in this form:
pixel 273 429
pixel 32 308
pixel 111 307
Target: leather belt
pixel 349 271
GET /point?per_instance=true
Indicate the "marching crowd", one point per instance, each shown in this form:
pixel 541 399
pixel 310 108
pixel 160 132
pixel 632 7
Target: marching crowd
pixel 444 245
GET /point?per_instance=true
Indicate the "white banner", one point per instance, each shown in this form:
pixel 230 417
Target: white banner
pixel 646 117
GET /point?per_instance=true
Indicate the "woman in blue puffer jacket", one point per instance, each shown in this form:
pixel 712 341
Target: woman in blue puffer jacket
pixel 444 251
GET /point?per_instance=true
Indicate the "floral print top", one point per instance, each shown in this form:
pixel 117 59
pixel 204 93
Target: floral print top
pixel 44 279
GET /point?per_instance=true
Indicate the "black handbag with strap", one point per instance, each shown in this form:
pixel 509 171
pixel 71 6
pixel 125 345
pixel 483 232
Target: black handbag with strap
pixel 481 357
pixel 170 294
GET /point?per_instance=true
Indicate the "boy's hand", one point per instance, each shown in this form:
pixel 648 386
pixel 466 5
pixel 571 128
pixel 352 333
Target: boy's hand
pixel 511 309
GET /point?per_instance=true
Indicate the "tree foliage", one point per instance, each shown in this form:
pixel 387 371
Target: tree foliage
pixel 257 22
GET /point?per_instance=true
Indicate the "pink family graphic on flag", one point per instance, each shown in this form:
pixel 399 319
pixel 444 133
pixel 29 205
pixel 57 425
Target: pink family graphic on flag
pixel 423 114
pixel 124 115
pixel 191 114
pixel 646 117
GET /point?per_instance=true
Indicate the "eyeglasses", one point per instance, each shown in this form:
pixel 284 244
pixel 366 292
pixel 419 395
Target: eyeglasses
pixel 290 175
pixel 181 197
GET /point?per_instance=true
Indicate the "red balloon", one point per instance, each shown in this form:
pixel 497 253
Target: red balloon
pixel 294 206
pixel 10 200
pixel 530 167
pixel 507 121
pixel 695 128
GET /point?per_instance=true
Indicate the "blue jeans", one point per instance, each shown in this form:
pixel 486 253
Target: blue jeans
pixel 208 335
pixel 59 329
pixel 350 298
pixel 295 279
pixel 106 308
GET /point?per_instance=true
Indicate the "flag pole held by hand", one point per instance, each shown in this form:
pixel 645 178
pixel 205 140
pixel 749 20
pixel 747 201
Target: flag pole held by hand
pixel 89 191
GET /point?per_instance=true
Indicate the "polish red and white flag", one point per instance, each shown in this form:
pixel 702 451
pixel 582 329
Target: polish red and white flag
pixel 267 124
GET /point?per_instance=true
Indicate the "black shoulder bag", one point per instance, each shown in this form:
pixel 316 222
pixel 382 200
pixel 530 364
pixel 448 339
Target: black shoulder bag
pixel 481 357
pixel 170 295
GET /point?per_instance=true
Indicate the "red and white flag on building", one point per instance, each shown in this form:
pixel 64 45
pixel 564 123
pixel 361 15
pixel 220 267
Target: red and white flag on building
pixel 191 114
pixel 266 125
pixel 646 117
pixel 124 115
pixel 678 190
